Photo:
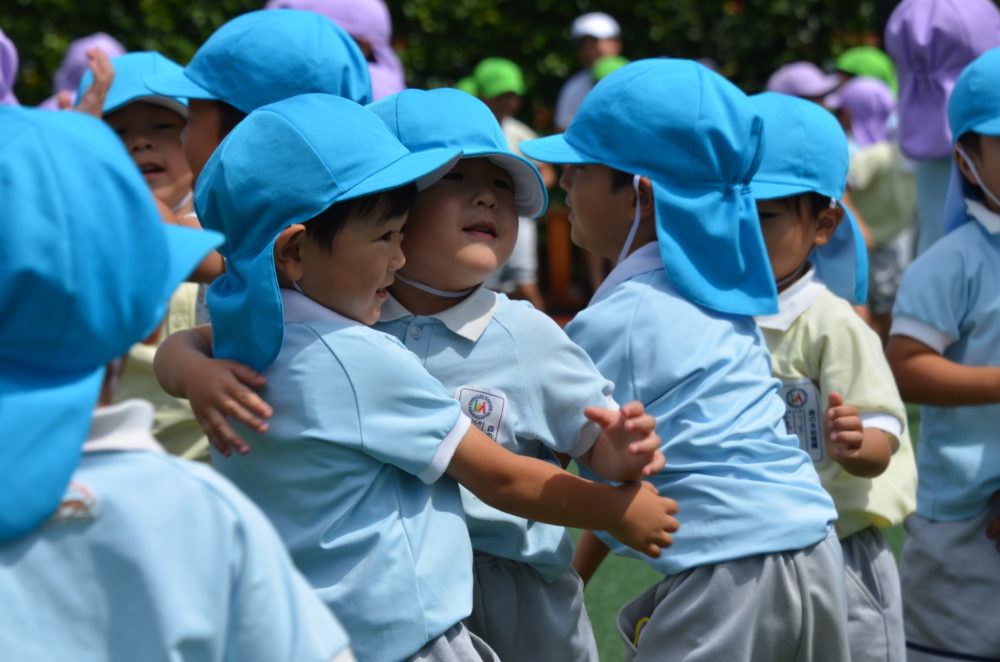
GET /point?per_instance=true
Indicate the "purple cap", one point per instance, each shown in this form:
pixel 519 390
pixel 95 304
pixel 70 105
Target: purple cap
pixel 8 71
pixel 75 63
pixel 870 102
pixel 802 79
pixel 931 41
pixel 362 19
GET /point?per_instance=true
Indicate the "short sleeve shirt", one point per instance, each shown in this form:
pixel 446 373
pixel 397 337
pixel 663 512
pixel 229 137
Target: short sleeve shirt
pixel 818 345
pixel 520 379
pixel 351 474
pixel 743 485
pixel 150 557
pixel 950 300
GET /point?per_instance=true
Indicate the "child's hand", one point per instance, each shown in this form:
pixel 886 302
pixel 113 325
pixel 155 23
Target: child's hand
pixel 218 388
pixel 92 101
pixel 628 448
pixel 993 530
pixel 844 431
pixel 646 524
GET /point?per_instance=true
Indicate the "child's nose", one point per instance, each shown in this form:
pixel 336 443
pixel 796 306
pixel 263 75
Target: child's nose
pixel 485 195
pixel 140 142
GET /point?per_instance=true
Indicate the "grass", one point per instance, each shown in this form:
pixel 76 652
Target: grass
pixel 620 579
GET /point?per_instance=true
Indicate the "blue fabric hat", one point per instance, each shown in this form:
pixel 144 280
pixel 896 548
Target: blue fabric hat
pixel 264 56
pixel 446 117
pixel 86 269
pixel 698 139
pixel 131 70
pixel 806 150
pixel 310 164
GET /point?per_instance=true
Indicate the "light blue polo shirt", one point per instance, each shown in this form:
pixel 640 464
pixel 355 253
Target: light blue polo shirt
pixel 743 485
pixel 351 473
pixel 522 382
pixel 950 301
pixel 150 557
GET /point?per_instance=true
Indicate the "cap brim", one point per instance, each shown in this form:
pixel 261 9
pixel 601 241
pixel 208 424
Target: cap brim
pixel 422 168
pixel 990 127
pixel 554 149
pixel 774 190
pixel 177 84
pixel 155 99
pixel 187 247
pixel 44 420
pixel 530 196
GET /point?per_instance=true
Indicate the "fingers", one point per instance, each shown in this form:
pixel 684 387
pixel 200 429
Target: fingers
pixel 835 399
pixel 633 409
pixel 64 100
pixel 655 464
pixel 221 435
pixel 603 417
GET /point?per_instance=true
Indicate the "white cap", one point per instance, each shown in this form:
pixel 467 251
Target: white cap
pixel 595 24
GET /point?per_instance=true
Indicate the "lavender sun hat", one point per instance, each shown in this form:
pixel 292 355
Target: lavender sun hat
pixel 8 71
pixel 75 63
pixel 931 41
pixel 802 79
pixel 870 103
pixel 362 19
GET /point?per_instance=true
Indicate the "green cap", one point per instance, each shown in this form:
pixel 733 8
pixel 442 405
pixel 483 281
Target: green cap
pixel 468 85
pixel 605 65
pixel 495 76
pixel 869 61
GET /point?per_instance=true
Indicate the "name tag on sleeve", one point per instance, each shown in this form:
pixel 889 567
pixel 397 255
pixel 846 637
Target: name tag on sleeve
pixel 485 408
pixel 804 416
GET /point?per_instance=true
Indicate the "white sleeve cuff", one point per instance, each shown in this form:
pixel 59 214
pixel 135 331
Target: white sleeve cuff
pixel 885 422
pixel 445 451
pixel 590 432
pixel 920 331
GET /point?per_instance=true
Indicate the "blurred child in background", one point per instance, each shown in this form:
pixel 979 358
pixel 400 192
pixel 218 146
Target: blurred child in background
pixel 8 71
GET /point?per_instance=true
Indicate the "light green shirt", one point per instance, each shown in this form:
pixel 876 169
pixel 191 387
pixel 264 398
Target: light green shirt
pixel 883 189
pixel 818 345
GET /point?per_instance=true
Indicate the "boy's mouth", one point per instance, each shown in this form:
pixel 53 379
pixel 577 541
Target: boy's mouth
pixel 151 169
pixel 482 230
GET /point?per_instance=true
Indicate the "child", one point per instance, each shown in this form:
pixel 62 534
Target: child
pixel 824 353
pixel 150 127
pixel 511 368
pixel 756 572
pixel 255 59
pixel 124 553
pixel 882 188
pixel 349 468
pixel 944 350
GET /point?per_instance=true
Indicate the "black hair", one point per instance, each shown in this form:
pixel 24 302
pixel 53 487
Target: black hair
pixel 814 202
pixel 229 117
pixel 324 226
pixel 970 141
pixel 620 178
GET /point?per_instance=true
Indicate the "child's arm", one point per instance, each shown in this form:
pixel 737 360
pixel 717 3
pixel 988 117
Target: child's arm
pixel 540 491
pixel 993 530
pixel 861 451
pixel 628 448
pixel 926 377
pixel 216 388
pixel 590 553
pixel 92 101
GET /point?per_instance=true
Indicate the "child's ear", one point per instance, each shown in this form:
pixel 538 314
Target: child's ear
pixel 961 160
pixel 288 252
pixel 647 205
pixel 826 224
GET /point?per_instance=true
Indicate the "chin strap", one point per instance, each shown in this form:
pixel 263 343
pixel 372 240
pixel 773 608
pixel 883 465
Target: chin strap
pixel 180 205
pixel 635 222
pixel 975 174
pixel 436 292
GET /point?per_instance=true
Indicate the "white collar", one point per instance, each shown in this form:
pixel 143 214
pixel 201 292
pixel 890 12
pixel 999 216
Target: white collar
pixel 641 260
pixel 988 219
pixel 299 308
pixel 793 301
pixel 469 318
pixel 126 426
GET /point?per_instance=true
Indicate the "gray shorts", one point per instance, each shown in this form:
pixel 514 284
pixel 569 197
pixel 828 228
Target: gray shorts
pixel 780 607
pixel 950 573
pixel 523 617
pixel 886 265
pixel 874 602
pixel 457 644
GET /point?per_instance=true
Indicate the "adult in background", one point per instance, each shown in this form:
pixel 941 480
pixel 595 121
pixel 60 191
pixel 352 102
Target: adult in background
pixel 596 35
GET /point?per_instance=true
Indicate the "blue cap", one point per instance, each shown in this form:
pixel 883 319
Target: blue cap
pixel 309 166
pixel 267 55
pixel 130 71
pixel 698 139
pixel 806 151
pixel 86 269
pixel 445 117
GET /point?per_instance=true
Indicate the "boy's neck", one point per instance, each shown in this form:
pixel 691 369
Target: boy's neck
pixel 419 302
pixel 792 278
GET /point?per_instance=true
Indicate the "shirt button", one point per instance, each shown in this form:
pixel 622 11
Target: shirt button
pixel 415 331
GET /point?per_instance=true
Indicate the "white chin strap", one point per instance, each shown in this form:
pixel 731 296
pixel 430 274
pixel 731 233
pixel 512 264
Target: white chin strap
pixel 975 174
pixel 180 205
pixel 432 290
pixel 635 222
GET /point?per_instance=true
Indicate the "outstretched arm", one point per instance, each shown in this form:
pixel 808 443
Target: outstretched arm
pixel 540 491
pixel 861 451
pixel 926 377
pixel 628 448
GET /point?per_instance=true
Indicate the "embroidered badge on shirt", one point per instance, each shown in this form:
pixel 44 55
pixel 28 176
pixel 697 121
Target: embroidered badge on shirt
pixel 79 505
pixel 803 415
pixel 484 407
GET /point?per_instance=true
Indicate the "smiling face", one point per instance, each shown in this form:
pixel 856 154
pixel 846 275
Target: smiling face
pixel 152 136
pixel 462 228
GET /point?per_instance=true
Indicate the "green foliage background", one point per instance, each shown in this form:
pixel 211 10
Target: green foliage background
pixel 440 41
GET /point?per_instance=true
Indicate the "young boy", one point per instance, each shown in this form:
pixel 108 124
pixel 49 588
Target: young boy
pixel 255 59
pixel 824 353
pixel 945 351
pixel 661 155
pixel 349 469
pixel 124 553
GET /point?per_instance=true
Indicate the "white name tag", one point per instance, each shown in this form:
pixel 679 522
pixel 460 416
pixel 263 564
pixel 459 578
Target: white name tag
pixel 485 407
pixel 803 416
